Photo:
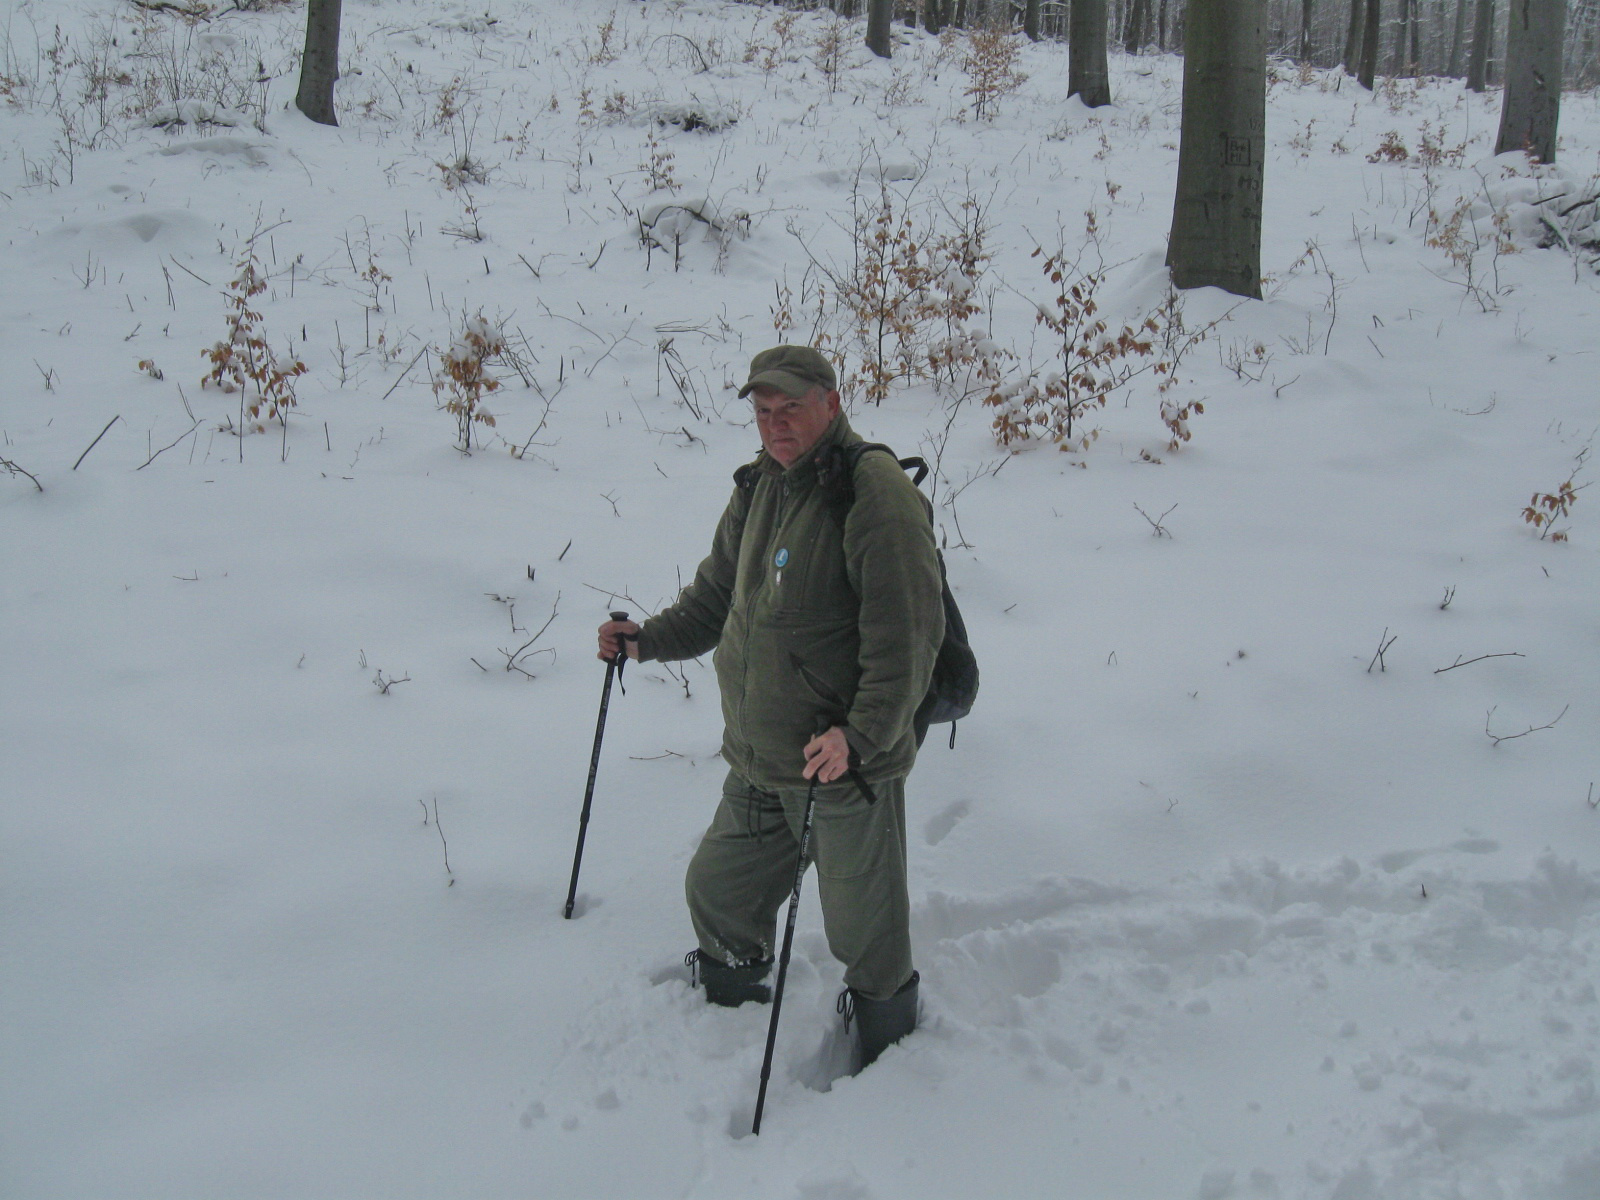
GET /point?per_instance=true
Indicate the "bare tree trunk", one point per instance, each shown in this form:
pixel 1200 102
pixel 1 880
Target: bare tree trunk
pixel 319 66
pixel 1372 25
pixel 1030 20
pixel 933 15
pixel 1532 105
pixel 1088 76
pixel 1588 72
pixel 1458 41
pixel 1482 43
pixel 880 16
pixel 1161 27
pixel 1397 52
pixel 1133 35
pixel 1216 215
pixel 1352 38
pixel 1307 13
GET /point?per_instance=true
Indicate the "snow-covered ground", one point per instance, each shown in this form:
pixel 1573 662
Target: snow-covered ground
pixel 1211 899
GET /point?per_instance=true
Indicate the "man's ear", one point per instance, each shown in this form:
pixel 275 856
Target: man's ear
pixel 833 404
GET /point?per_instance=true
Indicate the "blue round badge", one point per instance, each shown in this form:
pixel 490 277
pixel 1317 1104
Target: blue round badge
pixel 781 559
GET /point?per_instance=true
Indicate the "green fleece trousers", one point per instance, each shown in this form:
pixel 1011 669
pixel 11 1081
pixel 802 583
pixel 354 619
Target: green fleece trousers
pixel 743 873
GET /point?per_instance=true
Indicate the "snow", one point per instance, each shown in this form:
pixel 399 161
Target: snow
pixel 1211 899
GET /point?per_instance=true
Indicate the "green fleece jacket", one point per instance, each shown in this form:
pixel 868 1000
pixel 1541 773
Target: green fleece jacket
pixel 813 621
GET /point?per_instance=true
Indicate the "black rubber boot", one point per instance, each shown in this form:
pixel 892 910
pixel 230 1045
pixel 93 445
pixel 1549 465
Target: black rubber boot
pixel 881 1023
pixel 730 986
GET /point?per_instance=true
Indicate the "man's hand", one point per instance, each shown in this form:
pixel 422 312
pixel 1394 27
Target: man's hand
pixel 827 756
pixel 614 635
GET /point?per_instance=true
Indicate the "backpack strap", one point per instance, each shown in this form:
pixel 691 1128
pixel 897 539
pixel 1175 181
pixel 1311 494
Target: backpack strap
pixel 745 476
pixel 836 472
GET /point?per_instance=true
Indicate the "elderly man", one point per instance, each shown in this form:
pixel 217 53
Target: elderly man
pixel 824 615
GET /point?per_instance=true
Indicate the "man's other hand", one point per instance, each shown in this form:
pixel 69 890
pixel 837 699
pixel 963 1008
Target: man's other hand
pixel 827 756
pixel 616 634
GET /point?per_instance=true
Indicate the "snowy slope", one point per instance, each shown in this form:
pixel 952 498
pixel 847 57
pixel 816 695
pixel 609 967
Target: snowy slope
pixel 1207 904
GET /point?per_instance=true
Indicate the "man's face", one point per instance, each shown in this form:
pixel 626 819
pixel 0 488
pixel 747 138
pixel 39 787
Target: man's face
pixel 791 425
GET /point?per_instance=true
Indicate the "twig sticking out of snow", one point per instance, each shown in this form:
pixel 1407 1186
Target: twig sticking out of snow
pixel 1497 738
pixel 1384 642
pixel 12 469
pixel 1468 662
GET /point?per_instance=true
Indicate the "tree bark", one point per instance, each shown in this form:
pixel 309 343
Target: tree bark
pixel 1458 41
pixel 880 16
pixel 1482 43
pixel 1371 26
pixel 1088 75
pixel 319 66
pixel 1532 105
pixel 1352 38
pixel 1030 20
pixel 1216 215
pixel 1133 35
pixel 1402 26
pixel 1307 13
pixel 933 16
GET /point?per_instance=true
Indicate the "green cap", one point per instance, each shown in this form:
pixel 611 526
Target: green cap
pixel 793 370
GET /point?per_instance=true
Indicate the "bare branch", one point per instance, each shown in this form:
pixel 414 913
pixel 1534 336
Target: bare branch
pixel 96 441
pixel 1497 738
pixel 1468 662
pixel 1384 642
pixel 13 469
pixel 383 684
pixel 1155 522
pixel 161 451
pixel 442 842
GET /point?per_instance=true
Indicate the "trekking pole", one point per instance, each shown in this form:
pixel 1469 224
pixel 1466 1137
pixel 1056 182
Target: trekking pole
pixel 613 668
pixel 788 945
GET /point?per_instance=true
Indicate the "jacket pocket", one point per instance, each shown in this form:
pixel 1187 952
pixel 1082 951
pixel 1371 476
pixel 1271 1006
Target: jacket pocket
pixel 819 687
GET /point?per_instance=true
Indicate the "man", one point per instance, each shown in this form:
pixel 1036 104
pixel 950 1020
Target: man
pixel 823 617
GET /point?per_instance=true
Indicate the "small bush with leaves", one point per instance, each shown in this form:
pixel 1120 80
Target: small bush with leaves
pixel 467 378
pixel 243 361
pixel 911 292
pixel 1545 509
pixel 1092 361
pixel 1392 149
pixel 991 66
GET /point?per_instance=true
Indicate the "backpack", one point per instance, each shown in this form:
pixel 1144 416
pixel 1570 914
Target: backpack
pixel 954 686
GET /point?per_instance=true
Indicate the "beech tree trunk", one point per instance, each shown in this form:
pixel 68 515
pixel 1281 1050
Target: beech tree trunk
pixel 1307 13
pixel 1371 26
pixel 1088 76
pixel 1397 55
pixel 319 66
pixel 1030 19
pixel 1352 38
pixel 1216 215
pixel 1532 103
pixel 880 16
pixel 1133 35
pixel 1482 44
pixel 1458 41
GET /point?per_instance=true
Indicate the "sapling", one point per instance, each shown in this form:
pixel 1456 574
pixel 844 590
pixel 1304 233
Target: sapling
pixel 1546 508
pixel 243 362
pixel 1092 361
pixel 467 377
pixel 991 67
